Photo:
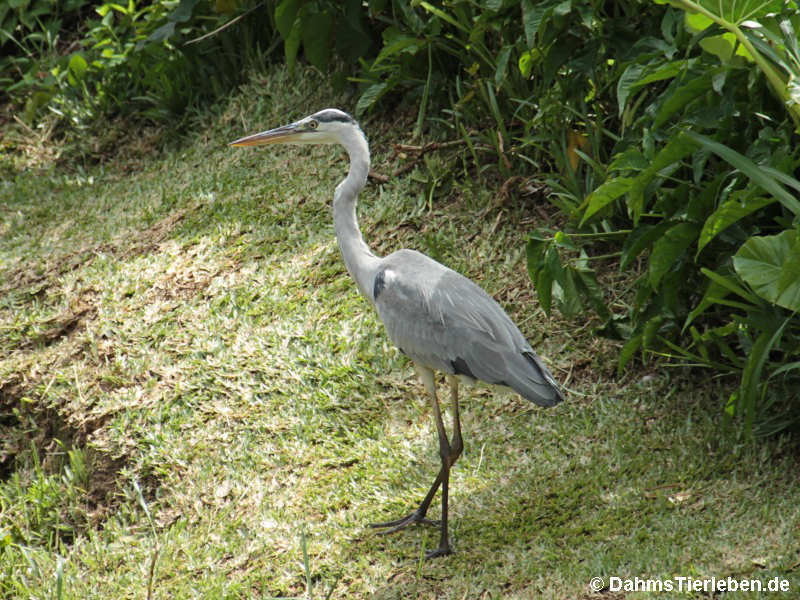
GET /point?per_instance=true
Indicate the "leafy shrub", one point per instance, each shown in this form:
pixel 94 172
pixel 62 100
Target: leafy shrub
pixel 707 220
pixel 151 60
pixel 30 33
pixel 323 29
pixel 668 139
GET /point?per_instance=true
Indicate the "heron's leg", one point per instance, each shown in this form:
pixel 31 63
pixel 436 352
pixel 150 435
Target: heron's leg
pixel 457 441
pixel 418 515
pixel 449 452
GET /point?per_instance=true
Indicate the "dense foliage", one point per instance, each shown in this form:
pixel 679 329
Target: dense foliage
pixel 666 134
pixel 78 60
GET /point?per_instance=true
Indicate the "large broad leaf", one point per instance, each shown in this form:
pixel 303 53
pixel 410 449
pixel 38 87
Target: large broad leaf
pixel 184 11
pixel 771 266
pixel 352 38
pixel 291 44
pixel 533 15
pixel 732 11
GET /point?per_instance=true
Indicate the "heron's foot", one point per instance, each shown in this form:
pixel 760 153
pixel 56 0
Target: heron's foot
pixel 415 517
pixel 440 551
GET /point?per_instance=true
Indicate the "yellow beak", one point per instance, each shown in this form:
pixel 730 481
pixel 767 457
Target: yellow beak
pixel 273 136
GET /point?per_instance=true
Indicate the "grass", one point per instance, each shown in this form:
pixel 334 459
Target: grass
pixel 196 403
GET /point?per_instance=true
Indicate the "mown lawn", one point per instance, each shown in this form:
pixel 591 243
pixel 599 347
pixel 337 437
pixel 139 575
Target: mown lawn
pixel 193 397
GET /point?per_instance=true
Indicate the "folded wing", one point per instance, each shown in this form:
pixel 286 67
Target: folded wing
pixel 444 321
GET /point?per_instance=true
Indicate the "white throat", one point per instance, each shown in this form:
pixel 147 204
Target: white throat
pixel 361 263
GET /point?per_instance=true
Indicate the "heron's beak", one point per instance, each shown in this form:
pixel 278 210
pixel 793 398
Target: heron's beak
pixel 278 135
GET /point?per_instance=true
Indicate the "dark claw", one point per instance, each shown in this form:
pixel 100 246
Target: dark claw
pixel 440 551
pixel 398 524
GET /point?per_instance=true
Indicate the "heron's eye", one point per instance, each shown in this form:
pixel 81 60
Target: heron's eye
pixel 313 124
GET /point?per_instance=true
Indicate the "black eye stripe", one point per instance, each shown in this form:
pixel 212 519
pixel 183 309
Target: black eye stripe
pixel 330 115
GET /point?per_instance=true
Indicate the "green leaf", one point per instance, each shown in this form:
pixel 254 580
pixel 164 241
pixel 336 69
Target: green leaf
pixel 665 71
pixel 625 85
pixel 668 249
pixel 756 174
pixel 605 194
pixel 682 95
pixel 771 266
pixel 589 286
pixel 628 350
pixel 722 46
pixel 285 15
pixel 161 33
pixel 730 285
pixel 534 252
pixel 316 36
pixel 544 289
pixel 569 299
pixel 502 65
pixel 714 292
pixel 676 149
pixel 377 6
pixel 397 43
pixel 370 96
pixel 533 13
pixel 631 159
pixel 640 238
pixel 352 40
pixel 735 12
pixel 184 11
pixel 637 76
pixel 525 64
pixel 444 16
pixel 751 374
pixel 77 68
pixel 727 214
pixel 291 44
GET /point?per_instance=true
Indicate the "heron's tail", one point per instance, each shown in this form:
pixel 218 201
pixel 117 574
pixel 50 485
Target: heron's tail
pixel 533 381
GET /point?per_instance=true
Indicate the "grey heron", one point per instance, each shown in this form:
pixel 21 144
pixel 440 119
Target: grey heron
pixel 437 317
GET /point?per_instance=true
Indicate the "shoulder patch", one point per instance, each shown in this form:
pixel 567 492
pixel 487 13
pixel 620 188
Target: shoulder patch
pixel 379 283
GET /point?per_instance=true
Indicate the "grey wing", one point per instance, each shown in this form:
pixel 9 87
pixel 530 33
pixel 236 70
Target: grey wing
pixel 444 321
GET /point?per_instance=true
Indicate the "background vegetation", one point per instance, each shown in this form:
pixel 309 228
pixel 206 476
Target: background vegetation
pixel 650 149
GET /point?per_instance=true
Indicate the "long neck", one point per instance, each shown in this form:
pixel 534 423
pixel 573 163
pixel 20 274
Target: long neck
pixel 361 263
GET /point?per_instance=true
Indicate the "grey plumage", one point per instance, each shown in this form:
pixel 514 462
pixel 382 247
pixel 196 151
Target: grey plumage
pixel 439 318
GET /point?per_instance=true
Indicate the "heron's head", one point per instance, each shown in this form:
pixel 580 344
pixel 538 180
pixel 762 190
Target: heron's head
pixel 329 126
